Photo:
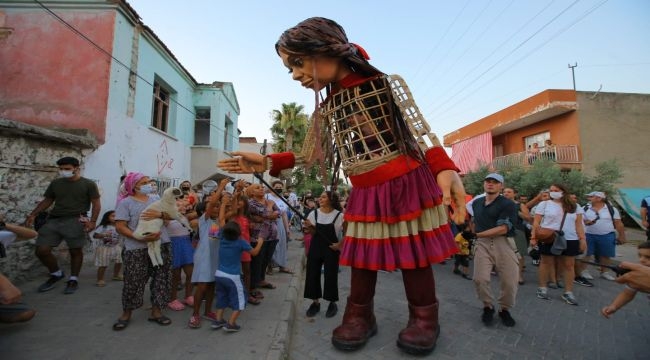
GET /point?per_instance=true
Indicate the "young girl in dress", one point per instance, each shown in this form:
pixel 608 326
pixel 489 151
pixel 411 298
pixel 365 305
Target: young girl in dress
pixel 206 259
pixel 108 247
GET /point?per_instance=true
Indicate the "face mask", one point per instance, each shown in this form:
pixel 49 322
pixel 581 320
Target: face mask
pixel 555 195
pixel 66 173
pixel 185 188
pixel 146 189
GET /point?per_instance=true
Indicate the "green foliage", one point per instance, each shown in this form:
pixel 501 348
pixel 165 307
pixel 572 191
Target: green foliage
pixel 542 174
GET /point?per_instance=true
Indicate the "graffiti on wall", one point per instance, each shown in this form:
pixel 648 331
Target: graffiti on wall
pixel 163 158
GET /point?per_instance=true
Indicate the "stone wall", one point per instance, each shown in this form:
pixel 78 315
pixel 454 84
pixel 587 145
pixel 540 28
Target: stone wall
pixel 27 165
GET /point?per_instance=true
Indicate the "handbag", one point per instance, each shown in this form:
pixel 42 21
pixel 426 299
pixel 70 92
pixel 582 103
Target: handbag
pixel 546 235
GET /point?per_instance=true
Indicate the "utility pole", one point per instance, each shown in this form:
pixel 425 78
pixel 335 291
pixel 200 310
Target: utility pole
pixel 573 74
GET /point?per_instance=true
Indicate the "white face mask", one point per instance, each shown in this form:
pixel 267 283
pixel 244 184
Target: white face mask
pixel 555 195
pixel 66 173
pixel 146 189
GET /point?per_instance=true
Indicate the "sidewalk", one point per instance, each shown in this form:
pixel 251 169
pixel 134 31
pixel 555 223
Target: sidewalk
pixel 79 326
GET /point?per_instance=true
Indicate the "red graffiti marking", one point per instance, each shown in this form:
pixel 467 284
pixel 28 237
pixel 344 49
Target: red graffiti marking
pixel 163 159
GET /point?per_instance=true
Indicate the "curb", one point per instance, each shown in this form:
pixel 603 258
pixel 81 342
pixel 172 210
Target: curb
pixel 281 342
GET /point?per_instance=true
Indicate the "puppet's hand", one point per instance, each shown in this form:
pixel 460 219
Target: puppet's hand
pixel 243 163
pixel 453 190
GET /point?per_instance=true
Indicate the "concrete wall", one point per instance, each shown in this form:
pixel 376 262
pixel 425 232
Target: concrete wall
pixel 52 77
pixel 615 126
pixel 27 165
pixel 563 130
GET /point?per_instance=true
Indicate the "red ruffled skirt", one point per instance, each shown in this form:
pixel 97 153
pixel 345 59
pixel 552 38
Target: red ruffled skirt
pixel 399 223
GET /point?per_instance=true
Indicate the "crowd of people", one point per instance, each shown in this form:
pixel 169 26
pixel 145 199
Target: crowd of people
pixel 504 226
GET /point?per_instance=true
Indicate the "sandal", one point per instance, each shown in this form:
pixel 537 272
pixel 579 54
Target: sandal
pixel 267 286
pixel 253 300
pixel 120 324
pixel 176 305
pixel 118 278
pixel 162 320
pixel 189 301
pixel 286 271
pixel 257 294
pixel 13 313
pixel 100 283
pixel 195 322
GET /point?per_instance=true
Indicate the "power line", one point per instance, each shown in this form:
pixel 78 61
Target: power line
pixel 516 32
pixel 440 40
pixel 508 54
pixel 455 42
pixel 105 52
pixel 530 52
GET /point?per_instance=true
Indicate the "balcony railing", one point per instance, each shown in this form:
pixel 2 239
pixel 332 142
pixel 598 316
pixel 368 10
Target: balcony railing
pixel 561 154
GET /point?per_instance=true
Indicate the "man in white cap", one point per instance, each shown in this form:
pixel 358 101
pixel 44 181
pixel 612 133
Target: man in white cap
pixel 602 222
pixel 493 220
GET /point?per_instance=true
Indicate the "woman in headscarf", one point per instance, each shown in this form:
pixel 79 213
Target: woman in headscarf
pixel 395 216
pixel 138 268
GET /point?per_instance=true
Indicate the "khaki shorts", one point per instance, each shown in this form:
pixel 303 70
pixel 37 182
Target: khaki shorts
pixel 67 228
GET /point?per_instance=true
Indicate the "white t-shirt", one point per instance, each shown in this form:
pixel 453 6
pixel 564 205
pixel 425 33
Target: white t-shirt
pixel 552 213
pixel 604 225
pixel 327 218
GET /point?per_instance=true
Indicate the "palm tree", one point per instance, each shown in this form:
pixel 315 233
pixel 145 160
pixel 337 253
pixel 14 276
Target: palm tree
pixel 288 123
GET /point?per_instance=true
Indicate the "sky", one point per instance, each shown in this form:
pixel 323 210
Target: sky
pixel 463 60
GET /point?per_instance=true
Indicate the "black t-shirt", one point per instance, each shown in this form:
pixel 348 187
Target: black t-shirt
pixel 499 212
pixel 71 198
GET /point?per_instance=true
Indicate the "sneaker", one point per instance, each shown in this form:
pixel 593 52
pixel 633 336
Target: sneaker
pixel 332 309
pixel 560 284
pixel 551 285
pixel 607 276
pixel 466 277
pixel 585 274
pixel 582 281
pixel 211 316
pixel 542 294
pixel 488 316
pixel 457 272
pixel 535 262
pixel 176 305
pixel 195 322
pixel 231 327
pixel 218 324
pixel 506 319
pixel 569 299
pixel 314 308
pixel 49 284
pixel 71 287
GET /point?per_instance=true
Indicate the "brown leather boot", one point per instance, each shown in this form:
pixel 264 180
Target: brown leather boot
pixel 359 324
pixel 420 335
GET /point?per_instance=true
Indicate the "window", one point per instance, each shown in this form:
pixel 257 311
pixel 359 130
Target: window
pixel 227 134
pixel 539 139
pixel 202 126
pixel 160 119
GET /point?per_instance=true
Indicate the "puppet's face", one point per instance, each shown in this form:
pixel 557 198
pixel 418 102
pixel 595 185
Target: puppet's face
pixel 314 72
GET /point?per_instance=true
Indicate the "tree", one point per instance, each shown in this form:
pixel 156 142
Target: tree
pixel 530 180
pixel 289 126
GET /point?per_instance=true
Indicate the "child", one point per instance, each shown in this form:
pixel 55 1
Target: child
pixel 230 290
pixel 237 211
pixel 108 247
pixel 206 258
pixel 628 293
pixel 462 258
pixel 182 259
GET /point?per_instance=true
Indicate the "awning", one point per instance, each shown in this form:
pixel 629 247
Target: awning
pixel 630 200
pixel 470 154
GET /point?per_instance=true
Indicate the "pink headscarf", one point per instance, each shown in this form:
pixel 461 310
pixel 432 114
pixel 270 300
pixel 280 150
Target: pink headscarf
pixel 129 185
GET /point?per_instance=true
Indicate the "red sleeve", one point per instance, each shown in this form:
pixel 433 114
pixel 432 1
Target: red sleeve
pixel 281 161
pixel 438 160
